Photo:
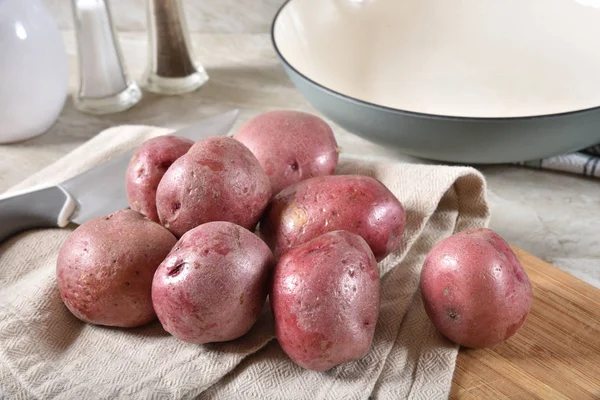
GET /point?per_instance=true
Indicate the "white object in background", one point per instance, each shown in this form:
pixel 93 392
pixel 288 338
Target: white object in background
pixel 104 86
pixel 463 58
pixel 33 70
pixel 99 58
pixel 589 3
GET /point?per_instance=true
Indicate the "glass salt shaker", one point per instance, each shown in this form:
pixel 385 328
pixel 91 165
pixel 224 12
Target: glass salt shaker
pixel 171 66
pixel 104 86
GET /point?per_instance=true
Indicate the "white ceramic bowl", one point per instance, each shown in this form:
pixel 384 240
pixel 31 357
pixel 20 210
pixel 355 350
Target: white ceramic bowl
pixel 463 80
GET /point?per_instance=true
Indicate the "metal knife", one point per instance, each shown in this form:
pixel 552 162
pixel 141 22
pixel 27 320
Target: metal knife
pixel 93 193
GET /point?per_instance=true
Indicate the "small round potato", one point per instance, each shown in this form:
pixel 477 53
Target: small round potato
pixel 325 298
pixel 474 288
pixel 106 266
pixel 354 203
pixel 218 179
pixel 213 284
pixel 290 145
pixel 146 169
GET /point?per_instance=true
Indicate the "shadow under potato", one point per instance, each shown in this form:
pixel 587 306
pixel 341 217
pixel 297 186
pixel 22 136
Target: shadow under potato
pixel 151 329
pixel 63 338
pixel 259 335
pixel 61 328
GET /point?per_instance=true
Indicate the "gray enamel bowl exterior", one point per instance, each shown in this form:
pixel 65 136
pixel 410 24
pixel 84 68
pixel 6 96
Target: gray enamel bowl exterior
pixel 457 140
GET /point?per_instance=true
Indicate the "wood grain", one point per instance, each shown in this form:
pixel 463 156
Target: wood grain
pixel 555 355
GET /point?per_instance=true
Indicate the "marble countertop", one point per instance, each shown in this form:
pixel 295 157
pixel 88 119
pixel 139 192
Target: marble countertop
pixel 553 216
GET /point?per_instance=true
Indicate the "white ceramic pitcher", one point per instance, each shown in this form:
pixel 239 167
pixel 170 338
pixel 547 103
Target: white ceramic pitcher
pixel 33 70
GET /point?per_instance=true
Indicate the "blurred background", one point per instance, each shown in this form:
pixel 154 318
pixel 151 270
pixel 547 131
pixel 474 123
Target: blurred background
pixel 222 16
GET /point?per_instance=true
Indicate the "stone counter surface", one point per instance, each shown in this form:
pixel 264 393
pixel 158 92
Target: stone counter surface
pixel 553 216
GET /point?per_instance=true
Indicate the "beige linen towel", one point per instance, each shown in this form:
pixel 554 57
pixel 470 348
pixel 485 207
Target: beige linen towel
pixel 47 353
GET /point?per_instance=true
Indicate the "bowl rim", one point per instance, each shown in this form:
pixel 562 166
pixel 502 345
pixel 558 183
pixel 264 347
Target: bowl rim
pixel 406 112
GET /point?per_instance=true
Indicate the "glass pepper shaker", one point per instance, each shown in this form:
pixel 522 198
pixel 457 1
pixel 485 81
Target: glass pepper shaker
pixel 171 66
pixel 104 86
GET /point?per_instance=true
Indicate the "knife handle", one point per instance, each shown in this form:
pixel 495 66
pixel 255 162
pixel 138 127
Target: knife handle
pixel 43 208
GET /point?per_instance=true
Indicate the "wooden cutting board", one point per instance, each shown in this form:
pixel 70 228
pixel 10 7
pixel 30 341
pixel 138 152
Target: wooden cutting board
pixel 555 354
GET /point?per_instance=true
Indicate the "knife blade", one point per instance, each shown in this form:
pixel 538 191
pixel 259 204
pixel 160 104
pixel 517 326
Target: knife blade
pixel 93 193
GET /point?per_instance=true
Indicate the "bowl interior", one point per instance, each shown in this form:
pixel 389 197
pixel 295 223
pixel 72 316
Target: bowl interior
pixel 463 58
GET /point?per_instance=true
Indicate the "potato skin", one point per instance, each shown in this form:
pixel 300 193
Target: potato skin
pixel 146 169
pixel 354 203
pixel 474 288
pixel 290 145
pixel 106 266
pixel 213 284
pixel 218 179
pixel 325 298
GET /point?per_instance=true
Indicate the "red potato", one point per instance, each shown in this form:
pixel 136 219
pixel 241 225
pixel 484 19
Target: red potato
pixel 106 266
pixel 325 298
pixel 290 145
pixel 213 284
pixel 146 169
pixel 474 289
pixel 354 203
pixel 219 179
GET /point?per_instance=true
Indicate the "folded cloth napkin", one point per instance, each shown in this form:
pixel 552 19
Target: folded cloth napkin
pixel 45 352
pixel 585 162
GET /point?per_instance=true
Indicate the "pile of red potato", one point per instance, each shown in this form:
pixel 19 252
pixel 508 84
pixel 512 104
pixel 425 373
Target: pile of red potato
pixel 218 225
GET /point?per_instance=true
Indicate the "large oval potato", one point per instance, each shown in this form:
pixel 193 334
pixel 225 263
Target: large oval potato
pixel 353 203
pixel 212 286
pixel 106 266
pixel 290 145
pixel 146 169
pixel 218 179
pixel 325 299
pixel 474 288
